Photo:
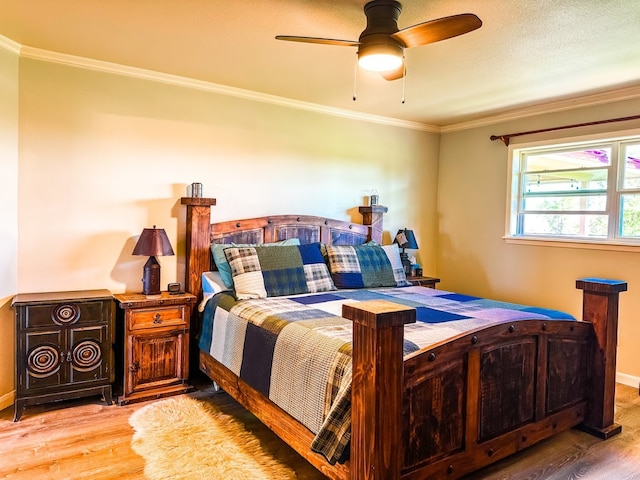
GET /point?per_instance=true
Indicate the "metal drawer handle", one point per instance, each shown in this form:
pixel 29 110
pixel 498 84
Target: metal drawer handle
pixel 157 318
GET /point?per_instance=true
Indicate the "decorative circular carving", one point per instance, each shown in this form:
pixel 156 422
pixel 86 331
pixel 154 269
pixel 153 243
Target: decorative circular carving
pixel 86 355
pixel 43 360
pixel 65 314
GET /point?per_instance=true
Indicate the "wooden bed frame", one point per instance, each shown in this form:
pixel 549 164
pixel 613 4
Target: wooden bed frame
pixel 443 411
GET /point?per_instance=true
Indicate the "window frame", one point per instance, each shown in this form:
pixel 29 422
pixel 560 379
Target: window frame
pixel 615 191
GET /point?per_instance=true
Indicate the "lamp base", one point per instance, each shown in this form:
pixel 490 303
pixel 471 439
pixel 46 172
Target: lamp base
pixel 151 277
pixel 406 264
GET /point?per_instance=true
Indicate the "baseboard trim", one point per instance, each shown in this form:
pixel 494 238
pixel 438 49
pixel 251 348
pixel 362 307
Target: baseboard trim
pixel 7 399
pixel 628 380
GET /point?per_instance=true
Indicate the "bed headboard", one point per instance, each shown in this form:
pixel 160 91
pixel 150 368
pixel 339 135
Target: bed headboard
pixel 201 233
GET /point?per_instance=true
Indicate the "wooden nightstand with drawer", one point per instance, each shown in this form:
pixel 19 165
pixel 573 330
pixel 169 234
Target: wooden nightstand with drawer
pixel 423 281
pixel 153 343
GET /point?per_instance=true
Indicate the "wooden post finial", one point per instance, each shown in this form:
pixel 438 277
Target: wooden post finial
pixel 372 217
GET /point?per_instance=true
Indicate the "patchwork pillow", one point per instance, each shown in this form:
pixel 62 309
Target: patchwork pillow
pixel 219 258
pixel 260 271
pixel 366 266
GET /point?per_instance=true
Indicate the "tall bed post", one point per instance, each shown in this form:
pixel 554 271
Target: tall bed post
pixel 198 260
pixel 198 239
pixel 600 307
pixel 376 417
pixel 372 217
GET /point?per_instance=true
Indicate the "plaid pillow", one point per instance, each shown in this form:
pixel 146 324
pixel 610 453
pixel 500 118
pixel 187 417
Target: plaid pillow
pixel 366 266
pixel 217 252
pixel 260 272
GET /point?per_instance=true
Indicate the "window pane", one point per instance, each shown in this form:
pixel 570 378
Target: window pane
pixel 569 160
pixel 573 203
pixel 630 216
pixel 564 225
pixel 566 181
pixel 631 166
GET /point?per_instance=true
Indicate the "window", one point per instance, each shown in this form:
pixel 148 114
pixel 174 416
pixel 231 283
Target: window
pixel 587 191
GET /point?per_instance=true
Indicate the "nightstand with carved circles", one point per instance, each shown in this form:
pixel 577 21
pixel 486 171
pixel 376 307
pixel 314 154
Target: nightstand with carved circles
pixel 64 346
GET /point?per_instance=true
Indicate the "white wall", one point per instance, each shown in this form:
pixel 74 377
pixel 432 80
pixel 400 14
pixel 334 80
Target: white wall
pixel 472 256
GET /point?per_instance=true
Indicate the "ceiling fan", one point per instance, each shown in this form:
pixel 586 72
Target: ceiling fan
pixel 381 44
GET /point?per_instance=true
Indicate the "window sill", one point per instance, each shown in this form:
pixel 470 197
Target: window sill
pixel 573 243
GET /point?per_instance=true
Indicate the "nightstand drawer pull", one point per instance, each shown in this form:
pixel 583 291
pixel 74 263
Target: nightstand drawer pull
pixel 157 318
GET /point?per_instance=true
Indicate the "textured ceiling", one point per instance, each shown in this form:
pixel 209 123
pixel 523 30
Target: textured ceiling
pixel 526 52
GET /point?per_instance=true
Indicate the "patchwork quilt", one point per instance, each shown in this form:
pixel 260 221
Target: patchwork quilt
pixel 296 350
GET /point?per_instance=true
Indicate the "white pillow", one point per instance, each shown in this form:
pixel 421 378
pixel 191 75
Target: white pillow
pixel 211 284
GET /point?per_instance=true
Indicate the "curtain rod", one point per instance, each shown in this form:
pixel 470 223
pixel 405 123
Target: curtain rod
pixel 506 137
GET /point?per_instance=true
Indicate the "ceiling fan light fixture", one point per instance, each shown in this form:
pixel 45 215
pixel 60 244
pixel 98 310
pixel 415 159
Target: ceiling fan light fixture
pixel 380 57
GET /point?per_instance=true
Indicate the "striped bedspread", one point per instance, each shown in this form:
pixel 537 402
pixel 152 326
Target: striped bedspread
pixel 297 350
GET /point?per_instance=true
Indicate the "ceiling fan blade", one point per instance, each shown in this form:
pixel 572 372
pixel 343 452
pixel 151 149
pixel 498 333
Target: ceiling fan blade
pixel 323 41
pixel 439 29
pixel 396 74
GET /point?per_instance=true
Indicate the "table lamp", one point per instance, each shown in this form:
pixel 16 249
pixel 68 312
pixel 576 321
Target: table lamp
pixel 152 242
pixel 406 239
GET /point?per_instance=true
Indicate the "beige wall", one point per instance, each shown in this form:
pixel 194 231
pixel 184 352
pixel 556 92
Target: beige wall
pixel 8 218
pixel 101 156
pixel 472 256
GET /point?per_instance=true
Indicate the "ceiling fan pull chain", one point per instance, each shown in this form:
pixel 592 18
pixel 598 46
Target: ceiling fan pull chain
pixel 404 77
pixel 355 77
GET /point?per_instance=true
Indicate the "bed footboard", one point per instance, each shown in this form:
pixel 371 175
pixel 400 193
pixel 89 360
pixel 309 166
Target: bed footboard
pixel 467 402
pixel 482 396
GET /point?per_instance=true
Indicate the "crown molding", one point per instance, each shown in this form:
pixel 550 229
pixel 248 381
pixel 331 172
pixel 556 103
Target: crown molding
pixel 135 72
pixel 621 94
pixel 9 45
pixel 141 73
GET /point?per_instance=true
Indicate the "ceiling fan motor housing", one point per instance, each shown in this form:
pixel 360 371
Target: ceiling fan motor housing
pixel 382 21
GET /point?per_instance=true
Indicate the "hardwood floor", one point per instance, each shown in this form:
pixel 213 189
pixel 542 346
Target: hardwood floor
pixel 85 439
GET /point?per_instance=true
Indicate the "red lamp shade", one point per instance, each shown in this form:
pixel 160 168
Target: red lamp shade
pixel 152 242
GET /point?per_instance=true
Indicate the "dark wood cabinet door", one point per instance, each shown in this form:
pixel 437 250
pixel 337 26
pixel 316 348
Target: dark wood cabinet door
pixel 87 357
pixel 157 359
pixel 43 360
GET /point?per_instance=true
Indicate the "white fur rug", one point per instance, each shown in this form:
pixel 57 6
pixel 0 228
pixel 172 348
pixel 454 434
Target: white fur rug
pixel 183 438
